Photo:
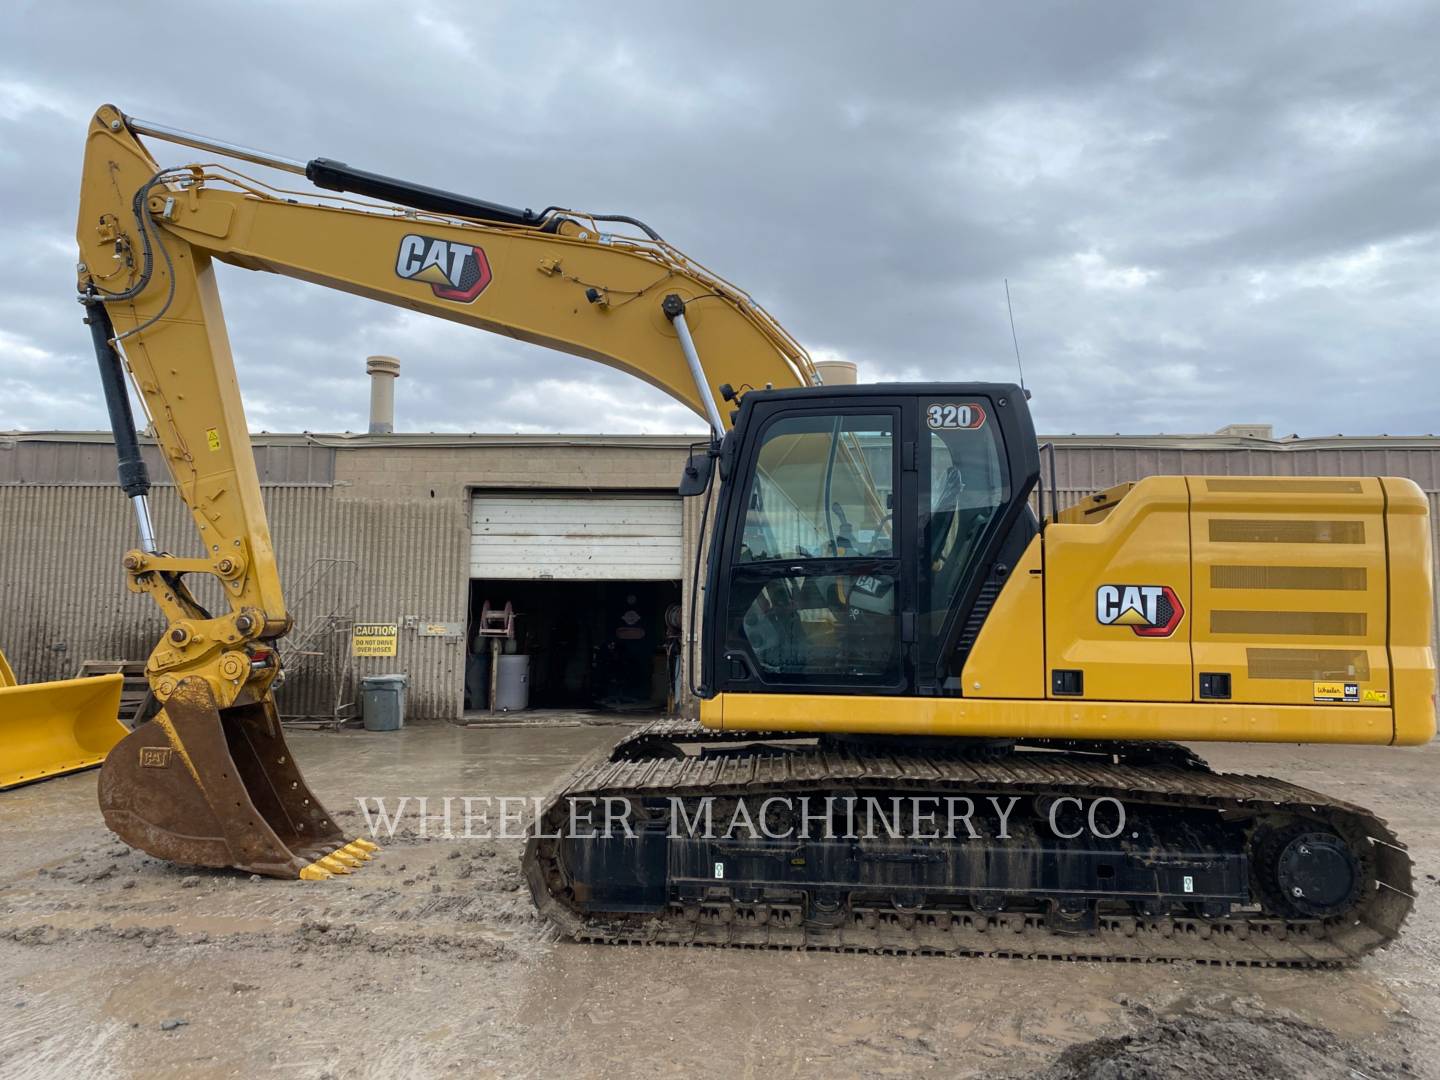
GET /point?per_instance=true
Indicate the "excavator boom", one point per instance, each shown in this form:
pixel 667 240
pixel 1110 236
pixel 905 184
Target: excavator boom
pixel 210 779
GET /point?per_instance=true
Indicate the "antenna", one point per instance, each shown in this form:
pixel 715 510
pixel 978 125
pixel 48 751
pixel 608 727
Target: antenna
pixel 1013 338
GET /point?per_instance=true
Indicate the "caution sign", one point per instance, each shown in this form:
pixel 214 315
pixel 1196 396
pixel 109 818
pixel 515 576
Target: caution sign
pixel 374 639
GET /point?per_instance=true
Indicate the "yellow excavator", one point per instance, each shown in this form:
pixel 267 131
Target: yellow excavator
pixel 50 729
pixel 888 628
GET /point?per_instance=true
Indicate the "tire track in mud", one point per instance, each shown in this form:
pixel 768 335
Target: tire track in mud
pixel 422 895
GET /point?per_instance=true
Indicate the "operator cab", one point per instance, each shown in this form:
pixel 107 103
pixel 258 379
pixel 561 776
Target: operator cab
pixel 861 534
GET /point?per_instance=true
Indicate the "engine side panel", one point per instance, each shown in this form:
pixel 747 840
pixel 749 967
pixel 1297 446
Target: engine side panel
pixel 1412 656
pixel 1106 614
pixel 1291 588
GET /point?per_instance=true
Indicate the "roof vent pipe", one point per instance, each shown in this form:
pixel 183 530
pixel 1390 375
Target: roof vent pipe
pixel 383 371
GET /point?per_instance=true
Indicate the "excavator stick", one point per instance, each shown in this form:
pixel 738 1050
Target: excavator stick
pixel 210 787
pixel 52 728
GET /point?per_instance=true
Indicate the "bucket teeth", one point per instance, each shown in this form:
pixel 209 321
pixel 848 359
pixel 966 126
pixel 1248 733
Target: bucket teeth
pixel 354 849
pixel 343 860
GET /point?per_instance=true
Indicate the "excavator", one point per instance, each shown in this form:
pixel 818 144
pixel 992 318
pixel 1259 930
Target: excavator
pixel 895 619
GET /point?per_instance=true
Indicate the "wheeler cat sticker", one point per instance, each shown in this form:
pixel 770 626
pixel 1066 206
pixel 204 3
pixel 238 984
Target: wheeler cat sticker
pixel 454 271
pixel 1339 691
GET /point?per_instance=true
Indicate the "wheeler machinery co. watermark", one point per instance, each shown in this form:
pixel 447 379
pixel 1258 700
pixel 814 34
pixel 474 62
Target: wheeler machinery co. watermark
pixel 710 817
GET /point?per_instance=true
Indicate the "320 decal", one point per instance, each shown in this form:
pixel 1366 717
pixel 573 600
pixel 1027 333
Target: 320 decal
pixel 454 271
pixel 950 415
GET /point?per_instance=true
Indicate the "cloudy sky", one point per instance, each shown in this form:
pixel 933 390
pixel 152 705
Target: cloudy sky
pixel 1208 214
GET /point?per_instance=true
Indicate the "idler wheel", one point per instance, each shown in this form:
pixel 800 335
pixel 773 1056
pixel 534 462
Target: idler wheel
pixel 1312 873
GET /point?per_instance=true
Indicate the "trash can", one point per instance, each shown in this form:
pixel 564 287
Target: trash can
pixel 512 688
pixel 382 701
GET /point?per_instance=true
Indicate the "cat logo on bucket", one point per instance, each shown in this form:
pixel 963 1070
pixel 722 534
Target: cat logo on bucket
pixel 453 270
pixel 1149 610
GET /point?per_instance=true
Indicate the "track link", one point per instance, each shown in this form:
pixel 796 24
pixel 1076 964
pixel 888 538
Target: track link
pixel 653 763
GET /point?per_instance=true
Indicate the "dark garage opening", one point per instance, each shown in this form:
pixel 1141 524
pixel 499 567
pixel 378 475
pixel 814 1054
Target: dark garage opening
pixel 592 644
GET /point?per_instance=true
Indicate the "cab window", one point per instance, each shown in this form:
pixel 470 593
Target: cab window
pixel 964 487
pixel 814 588
pixel 823 489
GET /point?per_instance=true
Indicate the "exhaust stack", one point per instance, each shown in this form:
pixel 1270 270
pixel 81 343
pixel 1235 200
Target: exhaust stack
pixel 383 371
pixel 837 372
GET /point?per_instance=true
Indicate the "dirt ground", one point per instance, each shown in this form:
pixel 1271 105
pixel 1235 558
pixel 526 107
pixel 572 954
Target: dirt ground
pixel 429 962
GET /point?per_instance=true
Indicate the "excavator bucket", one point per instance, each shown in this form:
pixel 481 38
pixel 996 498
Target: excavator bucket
pixel 212 787
pixel 53 728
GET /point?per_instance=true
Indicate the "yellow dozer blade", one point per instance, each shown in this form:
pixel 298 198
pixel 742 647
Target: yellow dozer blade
pixel 53 728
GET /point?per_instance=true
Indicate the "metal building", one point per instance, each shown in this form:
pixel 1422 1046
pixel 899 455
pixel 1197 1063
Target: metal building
pixel 583 535
pixel 412 530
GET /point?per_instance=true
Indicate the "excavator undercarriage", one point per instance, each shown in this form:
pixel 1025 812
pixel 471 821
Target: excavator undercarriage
pixel 828 844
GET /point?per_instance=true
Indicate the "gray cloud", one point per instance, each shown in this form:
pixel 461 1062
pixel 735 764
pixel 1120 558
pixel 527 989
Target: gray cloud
pixel 1207 214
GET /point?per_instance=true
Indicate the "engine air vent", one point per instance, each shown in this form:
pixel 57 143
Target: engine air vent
pixel 976 619
pixel 1285 531
pixel 1279 484
pixel 1308 664
pixel 1326 623
pixel 1336 578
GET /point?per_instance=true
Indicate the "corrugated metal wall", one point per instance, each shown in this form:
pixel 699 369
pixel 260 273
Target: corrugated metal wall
pixel 63 597
pixel 373 562
pixel 69 461
pixel 62 592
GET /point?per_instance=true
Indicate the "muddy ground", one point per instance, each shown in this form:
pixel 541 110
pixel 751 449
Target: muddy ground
pixel 429 962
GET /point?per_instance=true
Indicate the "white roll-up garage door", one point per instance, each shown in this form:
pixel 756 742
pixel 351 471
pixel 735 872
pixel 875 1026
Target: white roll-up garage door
pixel 576 537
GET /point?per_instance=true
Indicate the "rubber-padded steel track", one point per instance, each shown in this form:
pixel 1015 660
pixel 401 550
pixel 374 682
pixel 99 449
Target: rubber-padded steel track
pixel 649 764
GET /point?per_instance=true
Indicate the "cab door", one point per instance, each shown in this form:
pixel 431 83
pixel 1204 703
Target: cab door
pixel 817 597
